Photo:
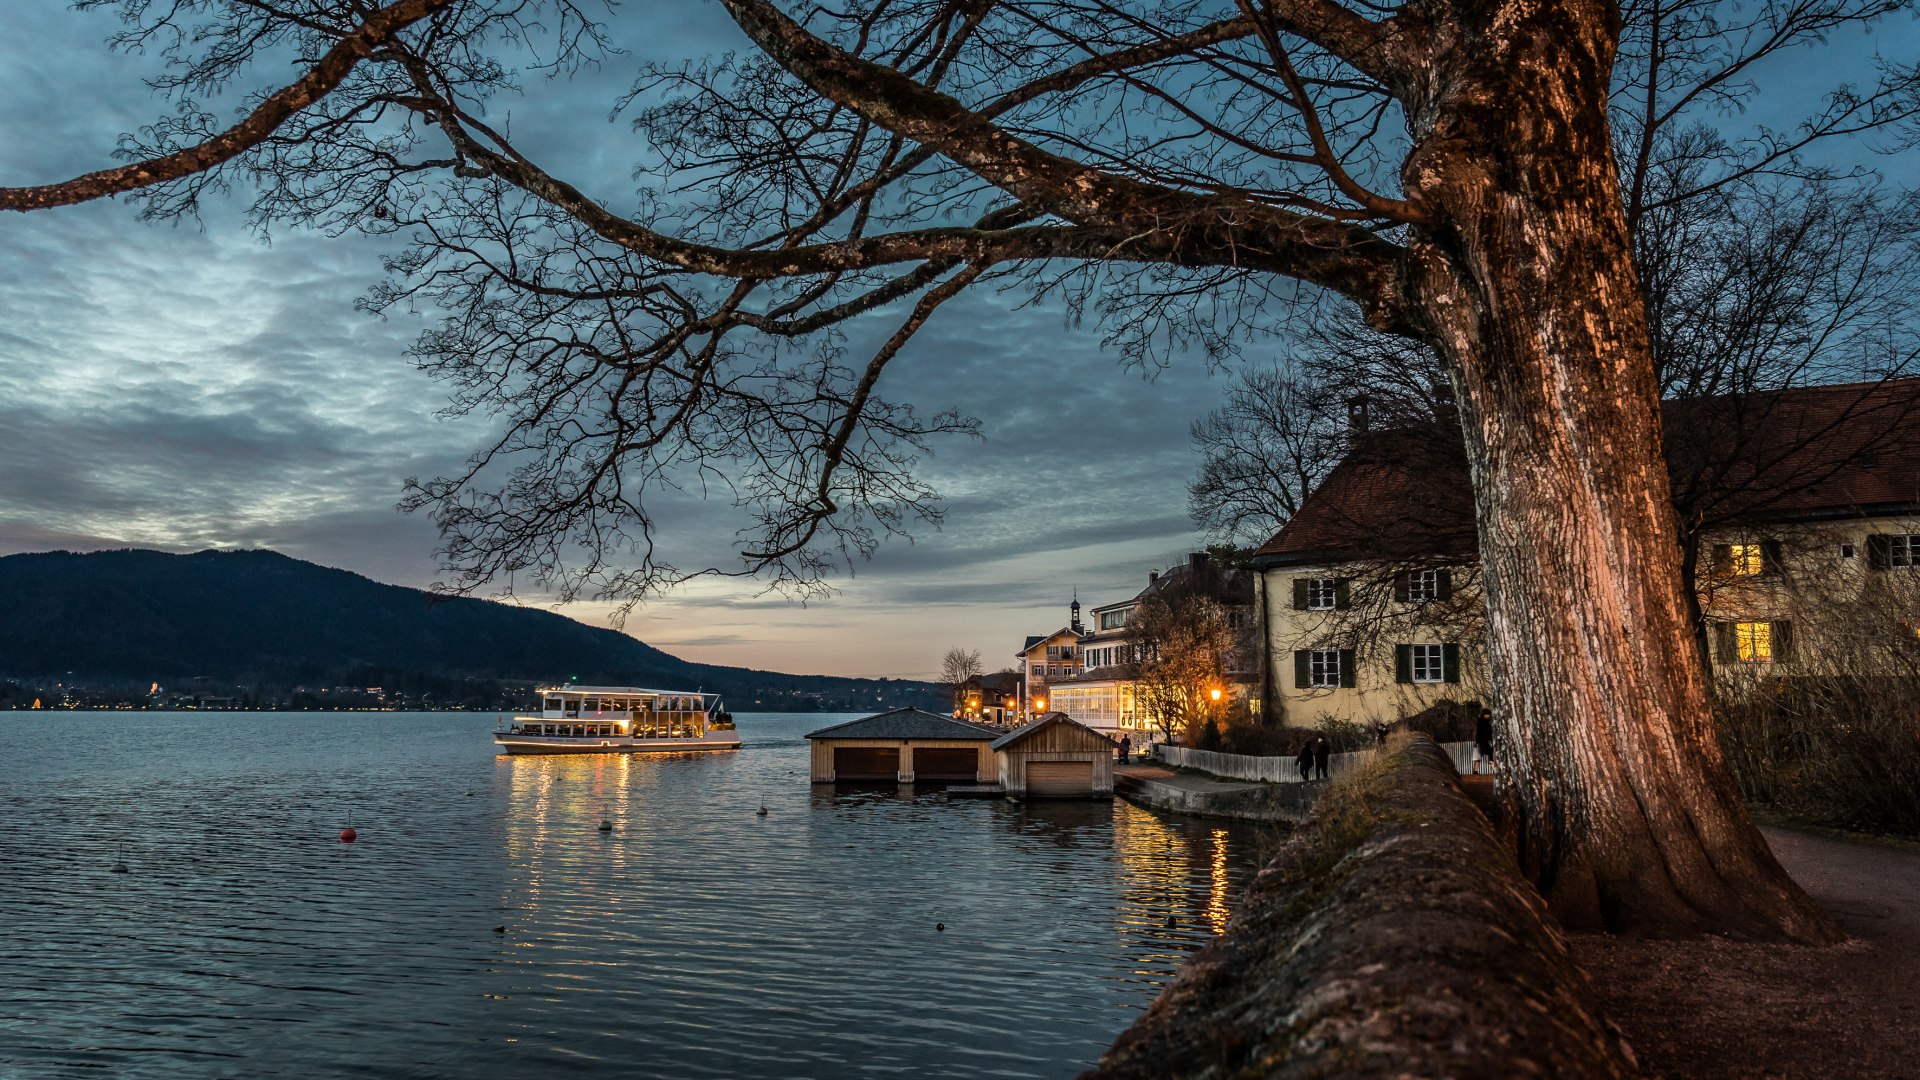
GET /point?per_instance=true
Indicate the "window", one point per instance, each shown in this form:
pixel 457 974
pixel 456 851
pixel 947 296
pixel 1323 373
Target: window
pixel 1423 587
pixel 1846 551
pixel 1323 667
pixel 1903 550
pixel 1426 662
pixel 1744 560
pixel 1753 641
pixel 1114 620
pixel 1886 552
pixel 1428 665
pixel 1323 594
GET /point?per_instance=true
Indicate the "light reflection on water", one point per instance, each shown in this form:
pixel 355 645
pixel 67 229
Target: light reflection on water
pixel 696 938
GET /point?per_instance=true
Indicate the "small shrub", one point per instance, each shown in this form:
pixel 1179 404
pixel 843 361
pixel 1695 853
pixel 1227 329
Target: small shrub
pixel 1841 750
pixel 1446 721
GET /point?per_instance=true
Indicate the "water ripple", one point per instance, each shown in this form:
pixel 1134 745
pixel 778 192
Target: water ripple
pixel 482 922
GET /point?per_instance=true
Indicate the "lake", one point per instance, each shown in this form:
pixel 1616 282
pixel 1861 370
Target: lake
pixel 483 924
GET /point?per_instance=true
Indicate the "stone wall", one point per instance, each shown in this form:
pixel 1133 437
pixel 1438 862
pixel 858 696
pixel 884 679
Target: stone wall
pixel 1392 937
pixel 1240 802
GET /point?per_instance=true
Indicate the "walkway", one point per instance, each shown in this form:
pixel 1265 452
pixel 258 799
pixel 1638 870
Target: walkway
pixel 1719 1009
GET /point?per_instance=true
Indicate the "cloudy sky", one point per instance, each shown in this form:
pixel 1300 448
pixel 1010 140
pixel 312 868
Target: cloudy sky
pixel 194 386
pixel 186 387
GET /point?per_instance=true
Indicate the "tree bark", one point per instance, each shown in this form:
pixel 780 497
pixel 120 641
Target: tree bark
pixel 1626 815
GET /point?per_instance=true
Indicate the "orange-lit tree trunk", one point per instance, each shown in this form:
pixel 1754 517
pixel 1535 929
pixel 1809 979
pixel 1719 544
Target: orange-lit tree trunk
pixel 1626 815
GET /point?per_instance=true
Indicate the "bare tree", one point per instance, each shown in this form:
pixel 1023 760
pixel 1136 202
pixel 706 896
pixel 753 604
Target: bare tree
pixel 1448 169
pixel 1262 453
pixel 1185 650
pixel 957 667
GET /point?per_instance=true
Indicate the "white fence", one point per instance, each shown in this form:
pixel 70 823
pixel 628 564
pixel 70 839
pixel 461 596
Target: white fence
pixel 1282 770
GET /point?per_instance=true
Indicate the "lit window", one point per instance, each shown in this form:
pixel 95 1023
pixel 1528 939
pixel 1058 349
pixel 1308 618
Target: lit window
pixel 1323 594
pixel 1429 663
pixel 1323 668
pixel 1753 641
pixel 1423 586
pixel 1745 559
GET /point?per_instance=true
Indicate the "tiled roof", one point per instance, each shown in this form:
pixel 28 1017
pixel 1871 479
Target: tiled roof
pixel 1005 682
pixel 906 724
pixel 1785 455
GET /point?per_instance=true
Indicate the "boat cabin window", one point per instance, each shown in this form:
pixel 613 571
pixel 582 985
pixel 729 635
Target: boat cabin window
pixel 550 704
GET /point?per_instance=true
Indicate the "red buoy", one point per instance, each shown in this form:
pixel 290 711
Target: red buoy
pixel 347 836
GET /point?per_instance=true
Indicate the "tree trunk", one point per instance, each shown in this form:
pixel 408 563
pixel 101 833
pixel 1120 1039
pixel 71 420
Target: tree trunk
pixel 1627 817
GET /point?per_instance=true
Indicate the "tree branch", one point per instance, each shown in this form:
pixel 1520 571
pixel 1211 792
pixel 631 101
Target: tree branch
pixel 321 79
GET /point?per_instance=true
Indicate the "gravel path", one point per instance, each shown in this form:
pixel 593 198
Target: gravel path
pixel 1719 1009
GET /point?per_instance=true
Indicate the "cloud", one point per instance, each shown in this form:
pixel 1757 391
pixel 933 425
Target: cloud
pixel 184 387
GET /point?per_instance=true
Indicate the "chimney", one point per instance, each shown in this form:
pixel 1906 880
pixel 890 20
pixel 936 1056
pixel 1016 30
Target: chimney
pixel 1357 407
pixel 1153 576
pixel 1196 562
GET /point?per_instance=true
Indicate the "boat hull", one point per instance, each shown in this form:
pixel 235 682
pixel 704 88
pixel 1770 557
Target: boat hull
pixel 515 743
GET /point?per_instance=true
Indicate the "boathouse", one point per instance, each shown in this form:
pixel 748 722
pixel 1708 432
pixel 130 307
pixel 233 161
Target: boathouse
pixel 1055 757
pixel 905 745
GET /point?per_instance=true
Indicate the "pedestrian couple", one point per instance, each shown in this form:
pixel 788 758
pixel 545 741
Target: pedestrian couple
pixel 1313 759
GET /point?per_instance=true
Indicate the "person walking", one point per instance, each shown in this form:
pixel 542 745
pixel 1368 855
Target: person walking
pixel 1483 740
pixel 1126 748
pixel 1305 762
pixel 1379 733
pixel 1322 750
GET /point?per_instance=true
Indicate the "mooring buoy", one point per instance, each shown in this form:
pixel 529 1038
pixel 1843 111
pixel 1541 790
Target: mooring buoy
pixel 347 835
pixel 605 825
pixel 762 812
pixel 119 863
pixel 940 926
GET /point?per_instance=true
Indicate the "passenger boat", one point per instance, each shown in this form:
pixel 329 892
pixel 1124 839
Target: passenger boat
pixel 620 720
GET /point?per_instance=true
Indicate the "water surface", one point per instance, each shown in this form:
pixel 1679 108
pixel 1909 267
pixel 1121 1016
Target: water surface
pixel 483 923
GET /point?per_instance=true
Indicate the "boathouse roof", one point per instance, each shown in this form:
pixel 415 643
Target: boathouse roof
pixel 1021 734
pixel 906 724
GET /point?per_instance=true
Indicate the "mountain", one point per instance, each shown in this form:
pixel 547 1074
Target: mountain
pixel 260 619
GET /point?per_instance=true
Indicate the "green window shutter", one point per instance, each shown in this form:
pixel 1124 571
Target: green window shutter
pixel 1302 669
pixel 1300 594
pixel 1446 584
pixel 1403 664
pixel 1782 638
pixel 1724 648
pixel 1880 551
pixel 1450 662
pixel 1402 587
pixel 1347 673
pixel 1770 556
pixel 1722 561
pixel 1342 594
